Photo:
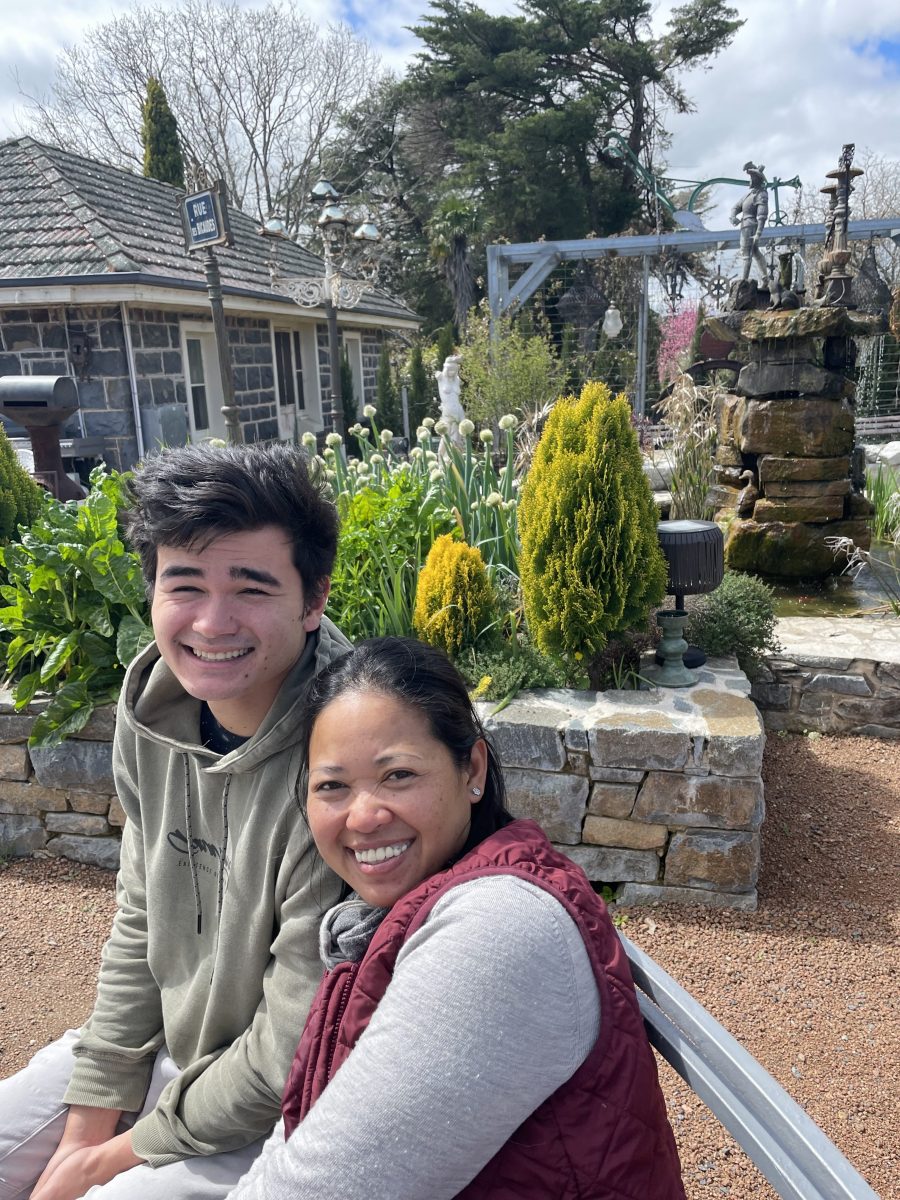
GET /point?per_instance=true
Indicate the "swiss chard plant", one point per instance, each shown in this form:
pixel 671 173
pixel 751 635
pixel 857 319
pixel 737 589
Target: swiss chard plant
pixel 74 609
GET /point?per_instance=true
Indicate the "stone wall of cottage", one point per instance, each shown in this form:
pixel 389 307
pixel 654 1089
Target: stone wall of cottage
pixel 371 341
pixel 37 341
pixel 657 794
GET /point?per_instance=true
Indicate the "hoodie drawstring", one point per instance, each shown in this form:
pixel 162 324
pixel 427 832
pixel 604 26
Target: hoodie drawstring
pixel 221 879
pixel 190 840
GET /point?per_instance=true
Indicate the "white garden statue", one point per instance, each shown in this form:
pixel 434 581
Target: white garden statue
pixel 452 411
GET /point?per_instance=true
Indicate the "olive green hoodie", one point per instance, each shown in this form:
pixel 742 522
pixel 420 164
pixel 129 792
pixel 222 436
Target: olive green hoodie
pixel 214 948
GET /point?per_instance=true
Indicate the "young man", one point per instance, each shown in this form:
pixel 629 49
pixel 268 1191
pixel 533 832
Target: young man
pixel 174 1082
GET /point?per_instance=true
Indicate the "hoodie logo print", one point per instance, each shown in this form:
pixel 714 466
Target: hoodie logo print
pixel 179 842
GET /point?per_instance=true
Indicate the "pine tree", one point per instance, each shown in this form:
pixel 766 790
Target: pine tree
pixel 159 137
pixel 446 342
pixel 590 562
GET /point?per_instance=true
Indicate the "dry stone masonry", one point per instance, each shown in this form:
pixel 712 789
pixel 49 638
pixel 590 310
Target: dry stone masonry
pixel 59 800
pixel 785 439
pixel 657 794
pixel 833 676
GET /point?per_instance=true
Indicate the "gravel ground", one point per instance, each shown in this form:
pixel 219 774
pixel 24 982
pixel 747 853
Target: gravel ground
pixel 808 983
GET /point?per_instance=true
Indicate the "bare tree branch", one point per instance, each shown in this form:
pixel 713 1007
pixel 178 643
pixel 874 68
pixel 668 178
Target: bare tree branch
pixel 255 92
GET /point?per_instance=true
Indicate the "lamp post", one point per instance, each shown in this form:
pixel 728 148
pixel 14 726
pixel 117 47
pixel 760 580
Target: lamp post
pixel 350 268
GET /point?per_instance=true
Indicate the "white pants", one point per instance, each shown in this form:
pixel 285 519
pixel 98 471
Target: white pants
pixel 32 1118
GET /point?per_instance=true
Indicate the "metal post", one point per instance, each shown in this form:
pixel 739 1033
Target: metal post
pixel 334 356
pixel 404 404
pixel 230 411
pixel 640 396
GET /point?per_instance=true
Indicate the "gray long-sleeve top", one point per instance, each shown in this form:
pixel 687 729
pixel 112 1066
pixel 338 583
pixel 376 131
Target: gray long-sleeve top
pixel 492 1007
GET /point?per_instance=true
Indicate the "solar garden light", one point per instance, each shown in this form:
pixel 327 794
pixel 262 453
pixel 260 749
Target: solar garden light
pixel 694 552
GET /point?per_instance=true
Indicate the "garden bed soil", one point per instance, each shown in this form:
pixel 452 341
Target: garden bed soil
pixel 809 983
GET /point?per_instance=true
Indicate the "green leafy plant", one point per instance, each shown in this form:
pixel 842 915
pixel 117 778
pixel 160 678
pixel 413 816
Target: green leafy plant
pixel 590 561
pixel 506 368
pixel 883 489
pixel 737 618
pixel 461 488
pixel 620 660
pixel 75 609
pixel 499 671
pixel 386 532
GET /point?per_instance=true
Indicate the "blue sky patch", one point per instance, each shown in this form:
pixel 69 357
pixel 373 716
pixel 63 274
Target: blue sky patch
pixel 884 48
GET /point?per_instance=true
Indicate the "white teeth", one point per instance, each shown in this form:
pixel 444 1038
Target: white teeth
pixel 379 855
pixel 209 656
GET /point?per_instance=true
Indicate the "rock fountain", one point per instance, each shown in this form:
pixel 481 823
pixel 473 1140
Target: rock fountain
pixel 784 477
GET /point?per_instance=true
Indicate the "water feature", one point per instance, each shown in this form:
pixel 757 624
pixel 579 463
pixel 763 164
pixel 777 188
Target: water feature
pixel 839 595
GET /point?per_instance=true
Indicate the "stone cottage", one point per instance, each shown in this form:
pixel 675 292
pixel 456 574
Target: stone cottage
pixel 95 282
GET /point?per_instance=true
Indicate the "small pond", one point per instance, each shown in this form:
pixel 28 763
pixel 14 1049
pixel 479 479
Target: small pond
pixel 840 595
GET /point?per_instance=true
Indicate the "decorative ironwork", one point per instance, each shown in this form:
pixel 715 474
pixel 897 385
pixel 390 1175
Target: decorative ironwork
pixel 311 291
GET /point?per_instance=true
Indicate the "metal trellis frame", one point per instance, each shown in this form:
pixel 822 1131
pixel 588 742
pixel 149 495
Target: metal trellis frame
pixel 540 259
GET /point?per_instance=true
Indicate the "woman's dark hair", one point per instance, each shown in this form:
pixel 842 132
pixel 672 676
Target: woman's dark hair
pixel 424 678
pixel 189 496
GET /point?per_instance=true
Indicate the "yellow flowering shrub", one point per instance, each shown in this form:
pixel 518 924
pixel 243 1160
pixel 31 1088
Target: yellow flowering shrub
pixel 454 597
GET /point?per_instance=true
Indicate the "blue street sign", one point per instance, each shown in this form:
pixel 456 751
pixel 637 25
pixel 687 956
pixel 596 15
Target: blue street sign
pixel 205 220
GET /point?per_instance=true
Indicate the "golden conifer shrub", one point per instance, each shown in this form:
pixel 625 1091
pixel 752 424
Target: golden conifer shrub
pixel 454 597
pixel 590 562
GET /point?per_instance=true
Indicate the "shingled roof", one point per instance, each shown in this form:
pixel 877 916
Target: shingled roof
pixel 64 217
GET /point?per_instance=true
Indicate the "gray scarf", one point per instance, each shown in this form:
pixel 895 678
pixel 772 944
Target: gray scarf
pixel 347 929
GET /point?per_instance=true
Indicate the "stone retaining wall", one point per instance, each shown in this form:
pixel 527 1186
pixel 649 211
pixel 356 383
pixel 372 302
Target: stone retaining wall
pixel 61 800
pixel 657 794
pixel 833 676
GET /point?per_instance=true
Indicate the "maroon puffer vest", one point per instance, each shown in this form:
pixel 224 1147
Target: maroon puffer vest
pixel 604 1134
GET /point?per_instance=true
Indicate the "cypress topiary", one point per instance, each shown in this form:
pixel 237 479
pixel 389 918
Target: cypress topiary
pixel 159 136
pixel 387 399
pixel 420 392
pixel 590 562
pixel 446 343
pixel 20 496
pixel 454 598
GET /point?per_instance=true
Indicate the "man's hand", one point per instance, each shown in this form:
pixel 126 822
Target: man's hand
pixel 87 1130
pixel 72 1176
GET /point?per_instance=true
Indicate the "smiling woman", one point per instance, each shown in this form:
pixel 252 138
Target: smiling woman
pixel 477 1024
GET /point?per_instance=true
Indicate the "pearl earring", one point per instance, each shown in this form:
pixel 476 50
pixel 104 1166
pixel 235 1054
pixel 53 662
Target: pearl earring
pixel 476 791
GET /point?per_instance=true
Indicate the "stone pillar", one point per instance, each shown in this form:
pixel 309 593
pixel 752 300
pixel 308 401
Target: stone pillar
pixel 785 438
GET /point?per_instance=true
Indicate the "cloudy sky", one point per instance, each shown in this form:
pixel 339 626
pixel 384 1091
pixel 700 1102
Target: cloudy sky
pixel 801 78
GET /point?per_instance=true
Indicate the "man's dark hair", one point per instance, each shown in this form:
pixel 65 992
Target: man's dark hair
pixel 191 495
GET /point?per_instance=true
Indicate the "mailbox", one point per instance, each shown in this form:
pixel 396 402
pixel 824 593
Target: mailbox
pixel 41 404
